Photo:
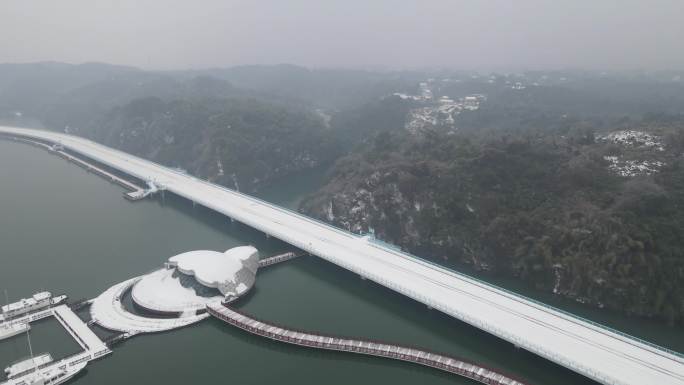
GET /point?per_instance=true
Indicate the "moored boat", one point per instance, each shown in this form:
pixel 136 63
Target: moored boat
pixel 38 301
pixel 52 375
pixel 28 365
pixel 10 329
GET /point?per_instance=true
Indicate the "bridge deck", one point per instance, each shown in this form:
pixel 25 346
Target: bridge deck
pixel 589 349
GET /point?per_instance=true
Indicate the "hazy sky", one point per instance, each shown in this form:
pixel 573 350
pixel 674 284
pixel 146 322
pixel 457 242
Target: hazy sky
pixel 470 34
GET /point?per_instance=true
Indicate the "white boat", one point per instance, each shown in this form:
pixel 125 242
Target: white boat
pixel 52 375
pixel 28 365
pixel 11 329
pixel 38 301
pixel 41 371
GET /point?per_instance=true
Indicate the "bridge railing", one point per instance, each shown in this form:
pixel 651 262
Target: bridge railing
pixel 230 315
pixel 528 299
pixel 273 206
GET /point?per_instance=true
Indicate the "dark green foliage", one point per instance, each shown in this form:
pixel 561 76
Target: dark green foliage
pixel 255 142
pixel 537 204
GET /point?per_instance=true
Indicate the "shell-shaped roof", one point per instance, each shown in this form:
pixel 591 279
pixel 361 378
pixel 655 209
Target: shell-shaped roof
pixel 232 272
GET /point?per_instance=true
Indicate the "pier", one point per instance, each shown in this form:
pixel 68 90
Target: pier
pixel 78 330
pixel 453 365
pixel 279 258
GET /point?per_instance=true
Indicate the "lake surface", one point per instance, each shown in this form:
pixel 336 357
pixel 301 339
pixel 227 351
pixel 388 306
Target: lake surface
pixel 67 231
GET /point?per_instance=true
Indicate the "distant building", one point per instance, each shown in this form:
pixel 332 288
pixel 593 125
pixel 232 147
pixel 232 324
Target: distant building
pixel 471 103
pixel 425 91
pixel 518 86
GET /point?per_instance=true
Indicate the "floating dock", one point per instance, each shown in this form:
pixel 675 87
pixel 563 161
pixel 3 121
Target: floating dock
pixel 79 330
pixel 93 347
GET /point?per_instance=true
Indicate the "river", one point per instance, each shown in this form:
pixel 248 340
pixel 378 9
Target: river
pixel 67 231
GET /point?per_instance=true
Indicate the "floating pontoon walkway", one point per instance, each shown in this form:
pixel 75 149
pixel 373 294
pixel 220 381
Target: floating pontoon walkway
pixel 418 356
pixel 107 311
pixel 78 329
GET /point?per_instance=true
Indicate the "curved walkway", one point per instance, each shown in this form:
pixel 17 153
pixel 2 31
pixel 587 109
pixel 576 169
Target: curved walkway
pixel 438 361
pixel 108 312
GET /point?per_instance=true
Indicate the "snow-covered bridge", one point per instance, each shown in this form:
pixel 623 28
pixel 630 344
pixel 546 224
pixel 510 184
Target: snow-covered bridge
pixel 595 351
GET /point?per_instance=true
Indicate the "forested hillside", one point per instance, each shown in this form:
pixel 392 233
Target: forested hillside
pixel 243 137
pixel 241 143
pixel 596 216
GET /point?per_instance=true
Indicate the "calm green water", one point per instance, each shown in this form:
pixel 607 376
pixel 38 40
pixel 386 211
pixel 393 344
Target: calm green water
pixel 68 231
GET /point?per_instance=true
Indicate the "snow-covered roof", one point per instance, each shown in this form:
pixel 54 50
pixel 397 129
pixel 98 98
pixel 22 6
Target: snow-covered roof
pixel 163 291
pixel 223 271
pixel 208 267
pixel 193 279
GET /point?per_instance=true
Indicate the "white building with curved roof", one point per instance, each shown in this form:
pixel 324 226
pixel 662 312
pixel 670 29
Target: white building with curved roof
pixel 191 280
